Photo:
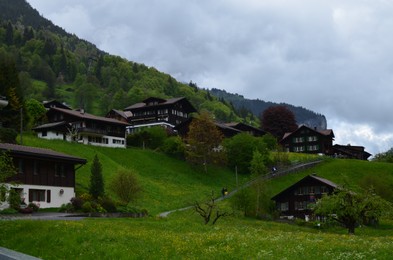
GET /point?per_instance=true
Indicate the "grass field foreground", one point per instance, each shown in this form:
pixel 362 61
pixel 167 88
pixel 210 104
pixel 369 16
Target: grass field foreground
pixel 184 236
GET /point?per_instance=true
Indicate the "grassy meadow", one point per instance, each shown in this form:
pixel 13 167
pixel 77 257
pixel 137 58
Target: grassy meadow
pixel 170 184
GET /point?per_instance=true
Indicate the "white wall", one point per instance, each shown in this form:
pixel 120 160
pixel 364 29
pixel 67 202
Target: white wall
pixel 57 199
pixel 53 135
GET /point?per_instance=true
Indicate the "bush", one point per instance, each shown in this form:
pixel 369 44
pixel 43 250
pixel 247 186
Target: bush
pixel 8 135
pixel 174 146
pixel 151 138
pixel 77 203
pixel 87 207
pixel 14 199
pixel 108 205
pixel 26 210
pixel 66 208
pixel 33 206
pixel 125 185
pixel 8 211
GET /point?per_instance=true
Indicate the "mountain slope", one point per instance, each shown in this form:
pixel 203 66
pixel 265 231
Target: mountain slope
pixel 256 106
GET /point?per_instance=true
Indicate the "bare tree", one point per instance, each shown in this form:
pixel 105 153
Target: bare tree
pixel 210 210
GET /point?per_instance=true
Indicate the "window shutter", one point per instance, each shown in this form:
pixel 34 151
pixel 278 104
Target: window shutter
pixel 48 196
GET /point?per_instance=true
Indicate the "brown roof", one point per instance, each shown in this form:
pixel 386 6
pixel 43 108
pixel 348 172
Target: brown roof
pixel 41 152
pixel 326 132
pixel 164 102
pixel 83 115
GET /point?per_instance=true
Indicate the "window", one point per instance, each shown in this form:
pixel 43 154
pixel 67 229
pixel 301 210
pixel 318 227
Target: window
pixel 298 140
pixel 324 189
pixel 312 138
pixel 59 170
pixel 300 205
pixel 283 206
pixel 21 166
pixel 36 168
pixel 44 133
pixel 36 195
pixel 298 148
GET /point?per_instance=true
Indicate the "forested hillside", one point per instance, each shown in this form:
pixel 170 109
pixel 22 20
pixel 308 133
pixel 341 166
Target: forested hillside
pixel 256 106
pixel 53 64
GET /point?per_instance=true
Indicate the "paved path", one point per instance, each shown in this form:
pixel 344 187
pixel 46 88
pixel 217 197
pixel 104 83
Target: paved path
pixel 271 175
pixel 44 216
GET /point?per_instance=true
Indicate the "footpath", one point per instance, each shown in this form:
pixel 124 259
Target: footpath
pixel 292 169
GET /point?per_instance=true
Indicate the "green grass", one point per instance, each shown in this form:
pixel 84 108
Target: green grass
pixel 184 236
pixel 167 183
pixel 170 184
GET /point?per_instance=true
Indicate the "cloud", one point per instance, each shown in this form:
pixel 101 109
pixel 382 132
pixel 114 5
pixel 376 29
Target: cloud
pixel 334 57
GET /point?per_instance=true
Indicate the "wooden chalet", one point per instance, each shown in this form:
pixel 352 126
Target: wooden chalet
pixel 157 111
pixel 309 140
pixel 119 115
pixel 227 131
pixel 55 103
pixel 74 125
pixel 350 152
pixel 296 200
pixel 44 177
pixel 245 128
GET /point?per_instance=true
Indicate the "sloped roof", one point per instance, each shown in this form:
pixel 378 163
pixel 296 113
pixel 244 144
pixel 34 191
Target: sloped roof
pixel 326 132
pixel 83 115
pixel 124 114
pixel 162 102
pixel 41 152
pixel 313 176
pixel 50 125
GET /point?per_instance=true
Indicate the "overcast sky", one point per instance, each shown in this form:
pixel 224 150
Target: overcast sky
pixel 334 57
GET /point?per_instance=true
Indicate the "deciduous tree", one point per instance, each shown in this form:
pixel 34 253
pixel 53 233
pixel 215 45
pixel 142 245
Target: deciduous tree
pixel 203 140
pixel 352 209
pixel 7 169
pixel 125 185
pixel 278 120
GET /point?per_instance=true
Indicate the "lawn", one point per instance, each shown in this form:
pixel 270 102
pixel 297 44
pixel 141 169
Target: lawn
pixel 184 236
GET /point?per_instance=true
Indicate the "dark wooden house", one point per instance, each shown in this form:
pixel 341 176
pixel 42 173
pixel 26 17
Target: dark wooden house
pixel 296 200
pixel 74 125
pixel 350 152
pixel 245 128
pixel 227 131
pixel 309 140
pixel 43 176
pixel 157 111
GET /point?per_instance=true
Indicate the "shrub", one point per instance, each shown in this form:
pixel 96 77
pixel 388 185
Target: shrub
pixel 87 207
pixel 125 185
pixel 8 135
pixel 77 203
pixel 66 208
pixel 14 199
pixel 174 146
pixel 26 210
pixel 108 204
pixel 8 211
pixel 33 206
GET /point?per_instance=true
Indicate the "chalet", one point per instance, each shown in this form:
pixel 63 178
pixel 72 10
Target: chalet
pixel 245 128
pixel 74 125
pixel 296 200
pixel 43 176
pixel 159 112
pixel 227 131
pixel 308 140
pixel 55 103
pixel 119 115
pixel 350 152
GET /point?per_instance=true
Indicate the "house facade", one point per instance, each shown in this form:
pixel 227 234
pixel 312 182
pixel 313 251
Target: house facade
pixel 308 140
pixel 74 125
pixel 158 112
pixel 44 177
pixel 296 201
pixel 350 152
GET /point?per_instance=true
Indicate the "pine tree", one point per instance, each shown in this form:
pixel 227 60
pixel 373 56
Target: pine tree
pixel 96 188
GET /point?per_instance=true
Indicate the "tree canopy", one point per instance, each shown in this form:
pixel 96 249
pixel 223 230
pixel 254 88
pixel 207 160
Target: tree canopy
pixel 352 209
pixel 278 120
pixel 203 140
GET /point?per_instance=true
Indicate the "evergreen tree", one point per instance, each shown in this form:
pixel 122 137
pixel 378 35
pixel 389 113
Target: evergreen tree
pixel 96 188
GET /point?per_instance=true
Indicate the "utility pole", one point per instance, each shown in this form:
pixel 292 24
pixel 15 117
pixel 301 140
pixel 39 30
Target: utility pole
pixel 21 125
